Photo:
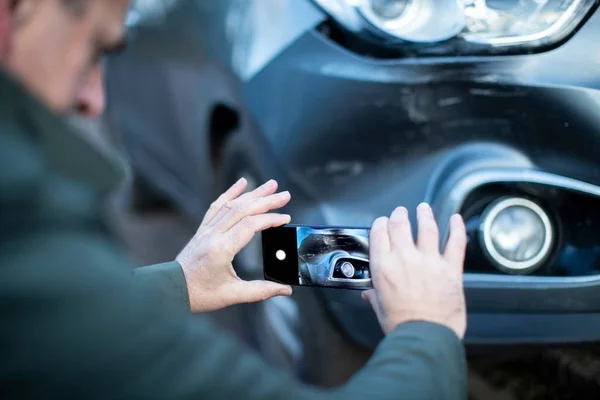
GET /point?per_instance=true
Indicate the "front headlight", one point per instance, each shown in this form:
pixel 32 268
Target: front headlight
pixel 469 24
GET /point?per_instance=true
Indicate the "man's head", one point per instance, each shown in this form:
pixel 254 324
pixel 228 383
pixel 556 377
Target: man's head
pixel 54 48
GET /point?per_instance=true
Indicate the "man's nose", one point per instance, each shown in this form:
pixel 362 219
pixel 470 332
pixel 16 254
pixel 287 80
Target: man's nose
pixel 91 99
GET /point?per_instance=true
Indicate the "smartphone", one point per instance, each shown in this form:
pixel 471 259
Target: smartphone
pixel 317 256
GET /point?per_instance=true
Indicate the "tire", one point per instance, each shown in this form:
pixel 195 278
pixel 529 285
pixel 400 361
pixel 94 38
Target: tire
pixel 294 334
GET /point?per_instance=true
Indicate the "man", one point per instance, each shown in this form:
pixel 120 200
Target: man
pixel 76 323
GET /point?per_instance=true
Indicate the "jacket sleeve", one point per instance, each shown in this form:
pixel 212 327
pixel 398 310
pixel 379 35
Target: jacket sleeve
pixel 168 278
pixel 77 324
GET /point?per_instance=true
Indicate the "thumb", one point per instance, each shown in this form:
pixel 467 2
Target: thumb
pixel 370 296
pixel 253 291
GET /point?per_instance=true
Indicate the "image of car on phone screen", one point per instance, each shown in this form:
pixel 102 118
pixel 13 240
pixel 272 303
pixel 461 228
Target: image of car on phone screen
pixel 333 257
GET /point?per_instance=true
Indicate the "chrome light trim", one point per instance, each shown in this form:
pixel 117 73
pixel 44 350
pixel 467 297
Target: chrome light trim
pixel 451 197
pixel 334 260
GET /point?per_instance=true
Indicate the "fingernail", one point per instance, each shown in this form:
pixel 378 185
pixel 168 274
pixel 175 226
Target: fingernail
pixel 380 222
pixel 364 297
pixel 285 194
pixel 402 211
pixel 424 207
pixel 456 219
pixel 270 182
pixel 242 179
pixel 287 291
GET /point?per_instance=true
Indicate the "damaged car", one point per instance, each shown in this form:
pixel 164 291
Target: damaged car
pixel 487 108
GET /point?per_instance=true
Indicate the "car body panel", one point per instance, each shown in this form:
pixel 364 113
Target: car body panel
pixel 352 137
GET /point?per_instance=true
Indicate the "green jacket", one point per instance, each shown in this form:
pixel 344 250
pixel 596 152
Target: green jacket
pixel 75 322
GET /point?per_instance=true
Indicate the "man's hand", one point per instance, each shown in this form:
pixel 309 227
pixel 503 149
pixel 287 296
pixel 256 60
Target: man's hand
pixel 415 282
pixel 229 225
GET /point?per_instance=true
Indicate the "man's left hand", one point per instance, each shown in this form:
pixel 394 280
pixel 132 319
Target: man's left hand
pixel 229 225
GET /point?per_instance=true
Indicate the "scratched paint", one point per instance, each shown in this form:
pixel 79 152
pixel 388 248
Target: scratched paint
pixel 259 30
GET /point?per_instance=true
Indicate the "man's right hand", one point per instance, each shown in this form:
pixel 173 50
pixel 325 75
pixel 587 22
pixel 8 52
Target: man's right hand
pixel 229 225
pixel 414 282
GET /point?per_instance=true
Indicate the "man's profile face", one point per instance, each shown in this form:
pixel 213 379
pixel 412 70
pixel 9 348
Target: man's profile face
pixel 54 48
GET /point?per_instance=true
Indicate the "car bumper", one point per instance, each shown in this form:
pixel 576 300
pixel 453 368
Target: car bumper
pixel 358 136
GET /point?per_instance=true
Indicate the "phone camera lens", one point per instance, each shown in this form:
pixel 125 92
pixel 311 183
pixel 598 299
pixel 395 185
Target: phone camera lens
pixel 280 254
pixel 347 269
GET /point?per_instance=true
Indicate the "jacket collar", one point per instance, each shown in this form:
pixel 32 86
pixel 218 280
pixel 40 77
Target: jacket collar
pixel 67 151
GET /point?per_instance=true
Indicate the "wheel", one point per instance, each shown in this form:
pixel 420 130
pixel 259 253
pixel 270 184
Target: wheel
pixel 292 333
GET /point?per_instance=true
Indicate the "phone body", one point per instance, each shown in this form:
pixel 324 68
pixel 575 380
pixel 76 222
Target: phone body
pixel 323 256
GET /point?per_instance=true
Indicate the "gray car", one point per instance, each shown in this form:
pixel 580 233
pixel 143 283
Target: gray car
pixel 484 108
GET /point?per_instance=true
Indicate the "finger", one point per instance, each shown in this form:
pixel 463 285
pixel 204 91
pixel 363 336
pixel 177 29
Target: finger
pixel 242 233
pixel 367 295
pixel 457 243
pixel 379 240
pixel 253 291
pixel 428 235
pixel 401 236
pixel 232 193
pixel 234 211
pixel 370 296
pixel 266 189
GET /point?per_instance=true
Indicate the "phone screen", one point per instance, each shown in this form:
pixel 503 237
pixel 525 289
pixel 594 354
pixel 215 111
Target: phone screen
pixel 317 256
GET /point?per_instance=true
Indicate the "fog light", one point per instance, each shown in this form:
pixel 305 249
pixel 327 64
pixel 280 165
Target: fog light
pixel 347 269
pixel 516 235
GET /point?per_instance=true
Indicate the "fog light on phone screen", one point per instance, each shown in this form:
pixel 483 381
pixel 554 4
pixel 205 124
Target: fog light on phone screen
pixel 516 235
pixel 389 9
pixel 347 269
pixel 280 254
